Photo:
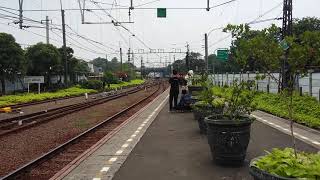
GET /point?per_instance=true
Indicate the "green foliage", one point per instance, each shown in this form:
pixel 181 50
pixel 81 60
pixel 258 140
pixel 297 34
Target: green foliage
pixel 306 108
pixel 218 103
pixel 306 24
pixel 241 100
pixel 126 84
pixel 110 78
pixel 223 66
pixel 256 49
pixel 25 98
pixel 196 63
pixel 41 57
pixel 199 105
pixel 12 59
pixel 284 163
pixel 92 84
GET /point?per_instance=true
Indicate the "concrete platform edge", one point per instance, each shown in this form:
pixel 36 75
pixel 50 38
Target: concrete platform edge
pixel 159 102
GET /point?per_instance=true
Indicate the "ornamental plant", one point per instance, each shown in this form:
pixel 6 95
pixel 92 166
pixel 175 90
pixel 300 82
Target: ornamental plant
pixel 284 163
pixel 240 102
pixel 263 48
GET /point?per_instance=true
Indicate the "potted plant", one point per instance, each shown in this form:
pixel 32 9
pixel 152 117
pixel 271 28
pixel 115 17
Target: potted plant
pixel 207 105
pixel 202 109
pixel 300 53
pixel 198 84
pixel 284 165
pixel 229 133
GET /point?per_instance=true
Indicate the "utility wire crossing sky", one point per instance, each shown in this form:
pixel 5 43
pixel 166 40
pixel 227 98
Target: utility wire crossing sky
pixel 187 21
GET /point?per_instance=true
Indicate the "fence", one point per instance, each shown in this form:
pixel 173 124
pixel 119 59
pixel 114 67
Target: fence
pixel 307 85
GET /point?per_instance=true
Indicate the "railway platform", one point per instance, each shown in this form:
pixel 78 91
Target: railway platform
pixel 159 145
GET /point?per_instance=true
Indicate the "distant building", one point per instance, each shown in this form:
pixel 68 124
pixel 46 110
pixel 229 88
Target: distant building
pixel 94 69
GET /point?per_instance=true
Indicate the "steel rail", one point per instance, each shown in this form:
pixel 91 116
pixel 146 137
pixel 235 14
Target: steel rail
pixel 28 167
pixel 30 120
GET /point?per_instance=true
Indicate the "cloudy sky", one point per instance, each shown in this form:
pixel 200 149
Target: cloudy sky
pixel 181 26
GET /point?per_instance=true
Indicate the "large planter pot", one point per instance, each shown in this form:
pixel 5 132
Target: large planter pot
pixel 228 139
pixel 203 113
pixel 196 114
pixel 194 89
pixel 259 174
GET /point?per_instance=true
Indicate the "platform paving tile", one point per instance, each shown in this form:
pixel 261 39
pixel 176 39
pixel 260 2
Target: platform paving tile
pixel 105 161
pixel 306 134
pixel 173 149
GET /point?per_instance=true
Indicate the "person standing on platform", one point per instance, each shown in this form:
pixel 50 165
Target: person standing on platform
pixel 174 90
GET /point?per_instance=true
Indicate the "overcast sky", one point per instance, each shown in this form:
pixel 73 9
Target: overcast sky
pixel 180 26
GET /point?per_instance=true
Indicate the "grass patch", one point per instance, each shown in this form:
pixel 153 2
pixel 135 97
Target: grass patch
pixel 306 109
pixel 31 97
pixel 125 84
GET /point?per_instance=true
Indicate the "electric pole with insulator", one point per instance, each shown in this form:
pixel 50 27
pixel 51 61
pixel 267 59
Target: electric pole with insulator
pixel 20 14
pixel 286 31
pixel 121 60
pixel 187 58
pixel 64 48
pixel 206 52
pixel 47 28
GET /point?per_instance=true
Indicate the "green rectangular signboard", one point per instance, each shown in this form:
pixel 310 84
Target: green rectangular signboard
pixel 162 12
pixel 284 45
pixel 223 54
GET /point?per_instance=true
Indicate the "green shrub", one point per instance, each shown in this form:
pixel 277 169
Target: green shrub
pixel 92 84
pixel 110 78
pixel 284 163
pixel 306 109
pixel 126 84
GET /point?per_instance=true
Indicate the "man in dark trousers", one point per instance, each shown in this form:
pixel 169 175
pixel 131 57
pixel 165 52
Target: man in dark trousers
pixel 174 89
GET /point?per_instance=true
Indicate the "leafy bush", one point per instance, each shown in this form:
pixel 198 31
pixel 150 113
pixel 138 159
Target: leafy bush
pixel 284 163
pixel 218 103
pixel 199 105
pixel 25 98
pixel 92 84
pixel 240 100
pixel 110 78
pixel 126 84
pixel 306 109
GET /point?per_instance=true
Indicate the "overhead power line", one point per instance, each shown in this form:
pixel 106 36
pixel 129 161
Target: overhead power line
pixel 138 7
pixel 255 21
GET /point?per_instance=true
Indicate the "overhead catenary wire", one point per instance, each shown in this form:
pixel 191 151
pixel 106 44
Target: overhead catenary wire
pixel 8 17
pixel 77 46
pixel 255 21
pixel 89 39
pixel 136 8
pixel 53 39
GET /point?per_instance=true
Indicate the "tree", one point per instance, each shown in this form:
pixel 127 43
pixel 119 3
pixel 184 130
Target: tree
pixel 306 24
pixel 244 38
pixel 100 62
pixel 223 66
pixel 12 59
pixel 303 53
pixel 109 78
pixel 43 59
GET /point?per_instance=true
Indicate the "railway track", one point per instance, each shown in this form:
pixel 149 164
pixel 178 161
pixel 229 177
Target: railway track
pixel 48 164
pixel 16 124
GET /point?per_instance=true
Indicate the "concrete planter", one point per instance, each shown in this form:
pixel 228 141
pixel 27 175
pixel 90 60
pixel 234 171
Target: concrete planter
pixel 228 140
pixel 194 89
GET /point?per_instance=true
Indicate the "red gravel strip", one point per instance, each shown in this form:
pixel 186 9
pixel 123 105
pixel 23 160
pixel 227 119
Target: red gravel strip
pixel 18 149
pixel 51 105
